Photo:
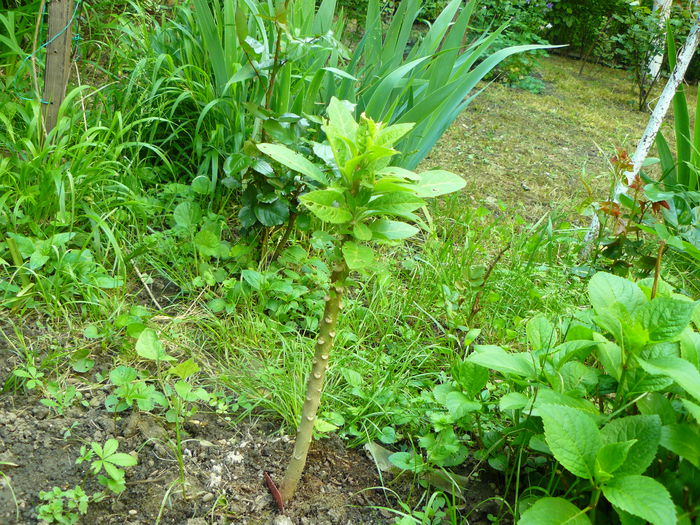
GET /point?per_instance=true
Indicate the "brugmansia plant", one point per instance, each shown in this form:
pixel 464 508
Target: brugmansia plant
pixel 364 200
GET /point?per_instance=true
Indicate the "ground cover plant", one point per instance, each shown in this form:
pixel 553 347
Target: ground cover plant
pixel 246 189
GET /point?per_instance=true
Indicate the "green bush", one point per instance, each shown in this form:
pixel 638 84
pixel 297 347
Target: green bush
pixel 527 21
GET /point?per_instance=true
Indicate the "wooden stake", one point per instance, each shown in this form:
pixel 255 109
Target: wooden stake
pixel 58 54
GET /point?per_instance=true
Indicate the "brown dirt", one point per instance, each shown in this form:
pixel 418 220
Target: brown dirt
pixel 224 460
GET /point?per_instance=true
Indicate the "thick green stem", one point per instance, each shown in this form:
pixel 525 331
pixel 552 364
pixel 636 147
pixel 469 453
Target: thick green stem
pixel 314 386
pixel 595 496
pixel 17 260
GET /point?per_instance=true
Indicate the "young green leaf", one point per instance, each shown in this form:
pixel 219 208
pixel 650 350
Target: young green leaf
pixel 646 430
pixel 460 405
pixel 149 346
pixel 573 438
pixel 554 511
pixel 606 290
pixel 611 457
pixel 513 401
pixel 680 370
pixel 496 358
pixel 294 161
pixel 683 440
pixel 394 204
pixel 388 230
pixel 438 182
pixel 361 232
pixel 207 242
pixel 541 333
pixel 326 205
pixel 665 318
pixel 641 496
pixel 692 408
pixel 122 375
pixel 357 256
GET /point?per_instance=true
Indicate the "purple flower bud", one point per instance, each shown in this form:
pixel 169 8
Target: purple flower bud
pixel 550 5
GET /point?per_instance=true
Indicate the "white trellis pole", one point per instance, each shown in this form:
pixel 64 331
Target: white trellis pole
pixel 655 120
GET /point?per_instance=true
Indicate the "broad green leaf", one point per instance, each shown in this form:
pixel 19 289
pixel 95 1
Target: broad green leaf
pixel 190 394
pixel 513 401
pixel 399 173
pixel 554 511
pixel 107 281
pixel 574 378
pixel 271 213
pixel 470 377
pixel 326 205
pixel 690 347
pixel 399 203
pixel 406 461
pixel 201 184
pixel 122 375
pixel 386 229
pixel 357 256
pixel 294 161
pixel 692 408
pixel 656 403
pixel 323 426
pixel 683 440
pixel 611 457
pixel 149 346
pixel 665 318
pixel 680 370
pixel 541 333
pixel 113 471
pixel 361 232
pixel 578 350
pixel 573 438
pixel 606 290
pixel 255 279
pixel 460 405
pixel 646 430
pixel 341 119
pixel 610 356
pixel 496 358
pixel 185 369
pixel 438 182
pixel 353 377
pixel 187 214
pixel 207 242
pixel 641 496
pixel 391 134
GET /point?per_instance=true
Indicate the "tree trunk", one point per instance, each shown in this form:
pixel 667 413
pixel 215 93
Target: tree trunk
pixel 314 386
pixel 657 116
pixel 663 8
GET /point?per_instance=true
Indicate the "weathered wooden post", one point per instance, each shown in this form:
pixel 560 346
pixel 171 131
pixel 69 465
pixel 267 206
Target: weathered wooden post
pixel 58 54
